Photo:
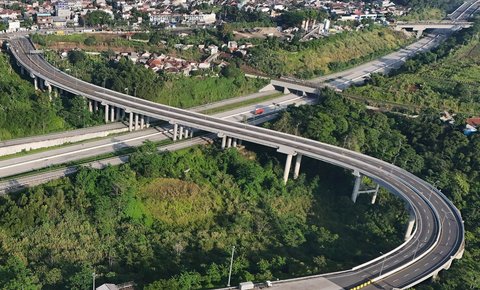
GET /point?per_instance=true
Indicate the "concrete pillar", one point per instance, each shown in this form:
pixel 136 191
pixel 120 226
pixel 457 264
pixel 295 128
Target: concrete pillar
pixel 136 122
pixel 123 114
pixel 356 186
pixel 118 114
pixel 191 133
pixel 35 83
pixel 229 142
pixel 180 135
pixel 224 142
pixel 130 121
pixel 95 105
pixel 375 193
pixel 288 164
pixel 411 224
pixel 298 161
pixel 106 113
pixel 112 113
pixel 175 132
pixel 286 91
pixel 240 142
pixel 142 122
pixel 22 71
pixel 147 121
pixel 419 33
pixel 90 108
pixel 234 142
pixel 186 133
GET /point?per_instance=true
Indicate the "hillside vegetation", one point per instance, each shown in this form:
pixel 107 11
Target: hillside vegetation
pixel 175 90
pixel 445 79
pixel 24 112
pixel 326 55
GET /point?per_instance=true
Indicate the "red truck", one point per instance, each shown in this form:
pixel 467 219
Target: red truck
pixel 259 111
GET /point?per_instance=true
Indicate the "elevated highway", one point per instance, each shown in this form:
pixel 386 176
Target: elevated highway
pixel 435 235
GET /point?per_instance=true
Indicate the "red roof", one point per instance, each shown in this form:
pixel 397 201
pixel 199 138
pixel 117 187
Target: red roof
pixel 475 122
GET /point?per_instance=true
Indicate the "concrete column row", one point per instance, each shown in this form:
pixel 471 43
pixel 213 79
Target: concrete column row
pixel 180 132
pixel 137 121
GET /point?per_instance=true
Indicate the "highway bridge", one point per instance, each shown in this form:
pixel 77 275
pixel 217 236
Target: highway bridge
pixel 435 232
pixel 420 26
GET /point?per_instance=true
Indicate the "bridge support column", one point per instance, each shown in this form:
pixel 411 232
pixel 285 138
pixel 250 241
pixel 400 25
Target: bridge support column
pixel 95 105
pixel 187 133
pixel 375 193
pixel 147 121
pixel 288 164
pixel 180 134
pixel 356 186
pixel 118 114
pixel 298 161
pixel 90 108
pixel 22 70
pixel 136 122
pixel 35 83
pixel 240 142
pixel 411 224
pixel 229 142
pixel 419 33
pixel 234 142
pixel 286 91
pixel 142 122
pixel 191 132
pixel 130 121
pixel 112 113
pixel 175 132
pixel 106 113
pixel 224 142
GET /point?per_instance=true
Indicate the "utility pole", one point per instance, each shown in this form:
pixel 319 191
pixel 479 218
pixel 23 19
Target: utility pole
pixel 231 264
pixel 93 280
pixel 383 263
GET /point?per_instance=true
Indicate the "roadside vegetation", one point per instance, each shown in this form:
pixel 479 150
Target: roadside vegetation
pixel 24 112
pixel 427 9
pixel 446 78
pixel 323 56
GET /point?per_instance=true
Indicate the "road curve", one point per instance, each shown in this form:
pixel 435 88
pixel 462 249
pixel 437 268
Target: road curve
pixel 439 232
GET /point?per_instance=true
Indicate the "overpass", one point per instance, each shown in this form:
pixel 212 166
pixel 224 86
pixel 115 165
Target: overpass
pixel 434 235
pixel 420 27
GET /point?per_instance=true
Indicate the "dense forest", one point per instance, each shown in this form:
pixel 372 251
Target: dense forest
pixel 445 78
pixel 24 112
pixel 427 147
pixel 171 219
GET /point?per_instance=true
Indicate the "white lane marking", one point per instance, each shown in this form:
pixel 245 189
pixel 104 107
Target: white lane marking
pixel 364 276
pixel 416 270
pixel 426 264
pixel 441 252
pixel 395 280
pixel 434 258
pixel 406 275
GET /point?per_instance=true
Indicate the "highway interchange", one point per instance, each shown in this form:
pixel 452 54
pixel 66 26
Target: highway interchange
pixel 438 237
pixel 439 230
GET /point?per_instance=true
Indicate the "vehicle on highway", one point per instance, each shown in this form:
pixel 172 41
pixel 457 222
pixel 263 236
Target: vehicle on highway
pixel 258 111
